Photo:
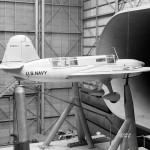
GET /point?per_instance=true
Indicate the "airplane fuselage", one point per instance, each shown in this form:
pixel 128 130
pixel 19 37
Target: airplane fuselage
pixel 58 69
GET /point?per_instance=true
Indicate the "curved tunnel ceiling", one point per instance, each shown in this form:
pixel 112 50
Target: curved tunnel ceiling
pixel 129 32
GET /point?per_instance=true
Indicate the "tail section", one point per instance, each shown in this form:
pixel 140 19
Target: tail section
pixel 19 50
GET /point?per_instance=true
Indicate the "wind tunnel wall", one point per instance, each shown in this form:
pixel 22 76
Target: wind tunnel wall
pixel 129 32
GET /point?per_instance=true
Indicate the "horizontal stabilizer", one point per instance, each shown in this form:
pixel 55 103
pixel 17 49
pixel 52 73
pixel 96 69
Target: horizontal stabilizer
pixel 11 65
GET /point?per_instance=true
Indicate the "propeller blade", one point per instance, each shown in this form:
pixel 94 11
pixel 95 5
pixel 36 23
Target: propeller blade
pixel 112 97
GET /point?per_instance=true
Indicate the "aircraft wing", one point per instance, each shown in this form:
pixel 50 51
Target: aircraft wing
pixel 11 65
pixel 104 71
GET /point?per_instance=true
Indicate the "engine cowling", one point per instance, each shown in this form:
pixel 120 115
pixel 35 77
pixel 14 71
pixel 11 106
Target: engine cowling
pixel 129 63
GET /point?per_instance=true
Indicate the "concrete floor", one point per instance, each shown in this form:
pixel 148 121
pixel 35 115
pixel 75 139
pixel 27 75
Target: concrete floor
pixel 62 145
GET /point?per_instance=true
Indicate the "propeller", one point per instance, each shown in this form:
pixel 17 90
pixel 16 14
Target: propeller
pixel 96 93
pixel 112 97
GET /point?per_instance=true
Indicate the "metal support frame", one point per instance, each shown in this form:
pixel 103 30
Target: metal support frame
pixel 39 45
pixel 58 124
pixel 96 17
pixel 120 4
pixel 80 131
pixel 126 136
pixel 20 125
pixel 97 31
pixel 116 6
pixel 61 6
pixel 53 107
pixel 63 116
pixel 36 24
pixel 83 120
pixel 41 40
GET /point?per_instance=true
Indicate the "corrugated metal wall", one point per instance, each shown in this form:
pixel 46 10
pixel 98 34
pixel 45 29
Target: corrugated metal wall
pixel 62 37
pixel 96 15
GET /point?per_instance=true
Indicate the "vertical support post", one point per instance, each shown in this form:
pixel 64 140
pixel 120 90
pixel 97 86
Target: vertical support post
pixel 42 55
pixel 37 49
pixel 81 136
pixel 124 144
pixel 23 139
pixel 128 128
pixel 38 112
pixel 118 138
pixel 43 26
pixel 83 121
pixel 36 25
pixel 129 112
pixel 82 30
pixel 15 131
pixel 116 6
pixel 97 32
pixel 42 109
pixel 58 124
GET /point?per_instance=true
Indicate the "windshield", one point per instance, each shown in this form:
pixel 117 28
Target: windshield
pixel 110 59
pixel 64 62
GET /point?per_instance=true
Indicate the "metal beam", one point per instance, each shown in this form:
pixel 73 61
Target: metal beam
pixel 129 127
pixel 94 7
pixel 97 31
pixel 51 48
pixel 58 124
pixel 83 119
pixel 80 131
pixel 116 6
pixel 109 4
pixel 36 24
pixel 42 56
pixel 64 5
pixel 53 15
pixel 58 112
pixel 69 16
pixel 99 16
pixel 38 112
pixel 72 46
pixel 22 130
pixel 82 31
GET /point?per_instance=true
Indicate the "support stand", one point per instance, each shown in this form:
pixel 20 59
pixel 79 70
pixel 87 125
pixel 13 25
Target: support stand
pixel 80 131
pixel 126 136
pixel 83 120
pixel 63 116
pixel 21 139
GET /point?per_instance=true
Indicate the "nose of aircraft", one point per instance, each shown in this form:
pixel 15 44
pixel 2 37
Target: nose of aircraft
pixel 138 64
pixel 142 63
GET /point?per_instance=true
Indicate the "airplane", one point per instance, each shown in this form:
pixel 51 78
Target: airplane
pixel 22 61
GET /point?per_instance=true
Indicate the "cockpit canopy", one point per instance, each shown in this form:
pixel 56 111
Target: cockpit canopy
pixel 108 59
pixel 82 61
pixel 64 61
